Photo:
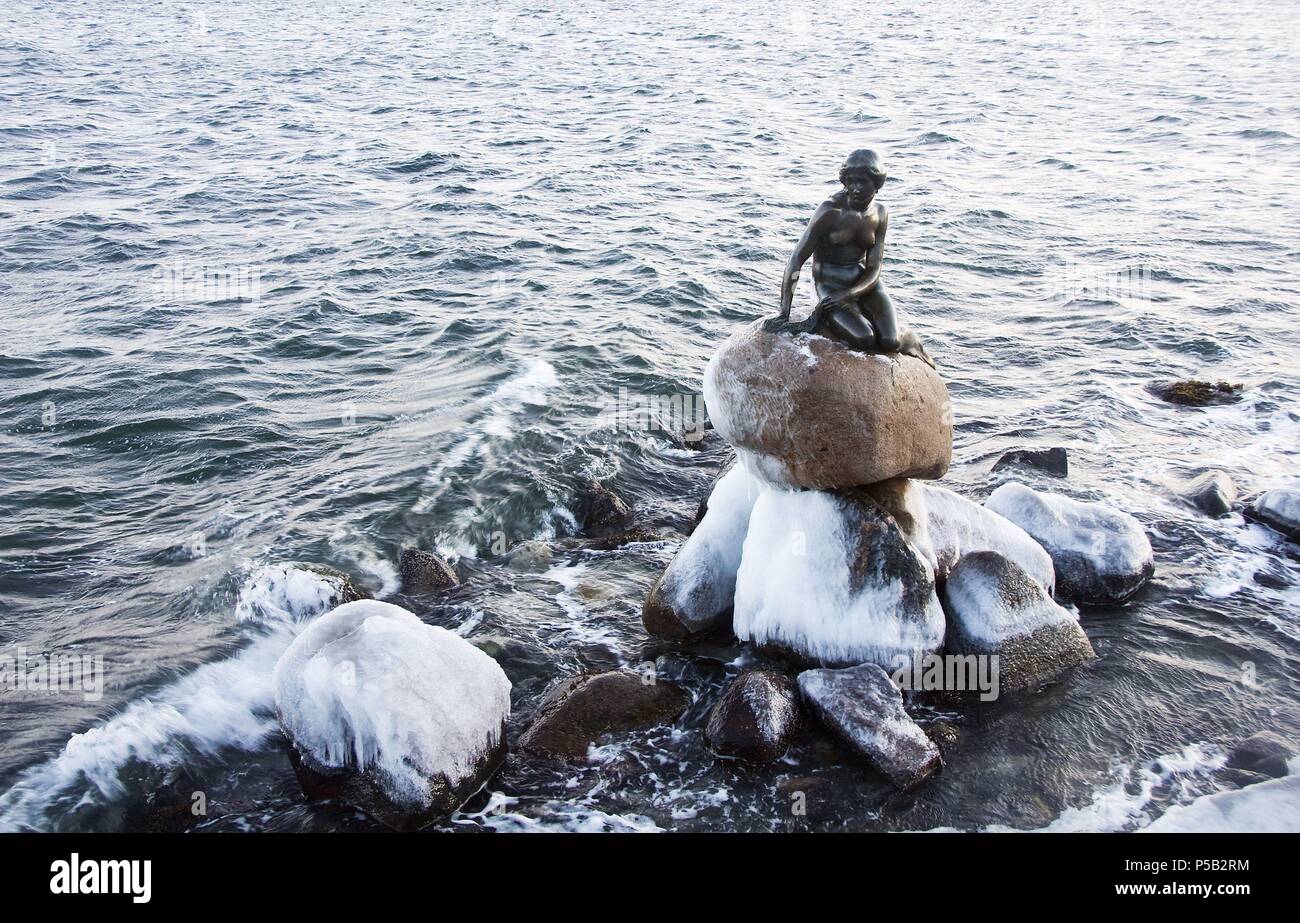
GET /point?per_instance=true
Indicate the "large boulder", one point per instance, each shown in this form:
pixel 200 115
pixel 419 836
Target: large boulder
pixel 598 509
pixel 831 579
pixel 1101 555
pixel 756 718
pixel 1279 509
pixel 957 526
pixel 994 607
pixel 401 719
pixel 694 594
pixel 577 711
pixel 807 411
pixel 865 709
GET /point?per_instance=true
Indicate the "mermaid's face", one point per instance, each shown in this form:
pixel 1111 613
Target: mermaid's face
pixel 861 189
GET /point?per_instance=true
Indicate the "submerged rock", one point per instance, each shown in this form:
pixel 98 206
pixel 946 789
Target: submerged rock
pixel 1265 753
pixel 756 718
pixel 862 706
pixel 994 607
pixel 577 711
pixel 598 509
pixel 831 579
pixel 807 411
pixel 401 719
pixel 1279 509
pixel 1101 555
pixel 1196 393
pixel 1054 461
pixel 1213 493
pixel 425 572
pixel 958 526
pixel 694 594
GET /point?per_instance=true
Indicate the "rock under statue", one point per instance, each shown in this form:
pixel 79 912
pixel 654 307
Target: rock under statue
pixel 845 239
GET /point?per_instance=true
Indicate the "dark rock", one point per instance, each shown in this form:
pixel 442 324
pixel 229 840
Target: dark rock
pixel 995 607
pixel 1278 509
pixel 577 711
pixel 363 791
pixel 1054 461
pixel 599 509
pixel 865 709
pixel 519 660
pixel 1213 493
pixel 944 733
pixel 425 572
pixel 756 718
pixel 1196 393
pixel 1240 778
pixel 625 537
pixel 1265 753
pixel 808 799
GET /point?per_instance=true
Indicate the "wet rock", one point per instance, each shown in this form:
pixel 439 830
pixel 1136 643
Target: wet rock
pixel 1196 393
pixel 1265 753
pixel 425 707
pixel 807 411
pixel 598 509
pixel 1053 461
pixel 694 595
pixel 1279 509
pixel 521 660
pixel 1212 493
pixel 831 579
pixel 530 556
pixel 347 592
pixel 425 572
pixel 1240 778
pixel 863 707
pixel 957 526
pixel 945 734
pixel 1101 555
pixel 807 799
pixel 756 718
pixel 994 607
pixel 577 711
pixel 625 537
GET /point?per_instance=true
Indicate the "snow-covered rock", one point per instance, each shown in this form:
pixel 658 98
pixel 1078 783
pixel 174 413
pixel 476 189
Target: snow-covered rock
pixel 1269 807
pixel 831 579
pixel 958 526
pixel 756 718
pixel 995 607
pixel 807 411
pixel 1101 555
pixel 405 720
pixel 1279 509
pixel 865 708
pixel 694 594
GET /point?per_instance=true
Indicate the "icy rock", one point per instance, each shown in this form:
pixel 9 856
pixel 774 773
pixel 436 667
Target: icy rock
pixel 575 712
pixel 957 526
pixel 1265 753
pixel 1101 555
pixel 401 719
pixel 807 411
pixel 1212 493
pixel 288 592
pixel 831 579
pixel 1054 461
pixel 694 594
pixel 1279 509
pixel 425 572
pixel 995 607
pixel 1269 807
pixel 862 706
pixel 756 718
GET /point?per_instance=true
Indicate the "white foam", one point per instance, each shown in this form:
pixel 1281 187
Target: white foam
pixel 554 817
pixel 1268 807
pixel 222 704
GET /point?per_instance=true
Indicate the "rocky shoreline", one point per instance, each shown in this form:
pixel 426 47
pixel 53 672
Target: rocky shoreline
pixel 842 588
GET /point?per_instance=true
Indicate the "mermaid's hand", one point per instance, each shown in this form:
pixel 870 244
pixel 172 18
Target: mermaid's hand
pixel 776 324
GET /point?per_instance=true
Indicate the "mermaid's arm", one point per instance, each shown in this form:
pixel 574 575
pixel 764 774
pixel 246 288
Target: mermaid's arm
pixel 803 251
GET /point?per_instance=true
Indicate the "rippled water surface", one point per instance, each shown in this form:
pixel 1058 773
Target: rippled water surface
pixel 310 282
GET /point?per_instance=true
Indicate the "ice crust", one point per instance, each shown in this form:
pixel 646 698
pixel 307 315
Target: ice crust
pixel 368 686
pixel 958 526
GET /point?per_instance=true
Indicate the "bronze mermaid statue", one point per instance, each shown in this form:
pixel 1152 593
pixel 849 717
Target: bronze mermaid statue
pixel 846 240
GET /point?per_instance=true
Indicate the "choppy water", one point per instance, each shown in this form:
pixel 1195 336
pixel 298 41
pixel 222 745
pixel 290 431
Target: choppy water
pixel 308 282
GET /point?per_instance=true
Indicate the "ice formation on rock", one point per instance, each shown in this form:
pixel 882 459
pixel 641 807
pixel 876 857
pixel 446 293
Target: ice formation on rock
pixel 958 526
